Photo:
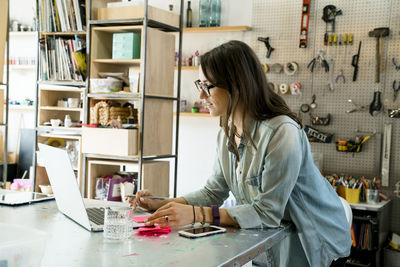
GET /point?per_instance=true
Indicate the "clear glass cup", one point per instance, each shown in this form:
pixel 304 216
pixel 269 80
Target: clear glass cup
pixel 372 196
pixel 118 223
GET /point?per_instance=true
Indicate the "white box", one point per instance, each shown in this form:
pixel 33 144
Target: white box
pixel 108 141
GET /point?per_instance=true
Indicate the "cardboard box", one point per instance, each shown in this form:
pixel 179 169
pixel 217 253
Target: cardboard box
pixel 126 45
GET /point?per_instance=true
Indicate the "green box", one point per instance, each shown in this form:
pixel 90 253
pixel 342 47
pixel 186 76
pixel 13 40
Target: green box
pixel 126 46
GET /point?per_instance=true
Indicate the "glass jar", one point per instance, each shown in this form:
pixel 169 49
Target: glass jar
pixel 215 13
pixel 204 11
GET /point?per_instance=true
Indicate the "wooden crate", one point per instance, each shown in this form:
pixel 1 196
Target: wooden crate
pixel 107 141
pixel 155 175
pixel 159 63
pixel 137 12
pixel 3 36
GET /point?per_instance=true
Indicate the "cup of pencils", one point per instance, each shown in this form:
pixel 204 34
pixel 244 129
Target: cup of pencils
pixel 372 191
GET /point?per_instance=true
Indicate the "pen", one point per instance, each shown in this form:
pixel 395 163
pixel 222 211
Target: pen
pixel 150 197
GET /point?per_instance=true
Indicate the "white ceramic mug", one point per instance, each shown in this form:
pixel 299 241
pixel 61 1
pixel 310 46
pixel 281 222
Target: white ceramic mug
pixel 55 122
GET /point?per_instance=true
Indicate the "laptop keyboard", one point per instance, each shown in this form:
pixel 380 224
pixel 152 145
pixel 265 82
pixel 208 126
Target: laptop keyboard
pixel 96 215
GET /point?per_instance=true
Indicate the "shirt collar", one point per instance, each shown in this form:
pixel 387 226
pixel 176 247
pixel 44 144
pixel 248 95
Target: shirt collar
pixel 253 129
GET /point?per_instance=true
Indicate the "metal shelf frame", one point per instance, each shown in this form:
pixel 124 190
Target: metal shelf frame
pixel 146 22
pixel 7 85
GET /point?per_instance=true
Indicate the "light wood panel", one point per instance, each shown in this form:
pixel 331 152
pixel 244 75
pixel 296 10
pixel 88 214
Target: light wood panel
pixel 3 35
pixel 217 29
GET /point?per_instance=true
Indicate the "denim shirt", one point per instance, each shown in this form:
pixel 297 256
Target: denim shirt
pixel 277 181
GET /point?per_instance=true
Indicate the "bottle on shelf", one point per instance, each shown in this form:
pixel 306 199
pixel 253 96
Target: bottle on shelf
pixel 189 16
pixel 204 11
pixel 215 13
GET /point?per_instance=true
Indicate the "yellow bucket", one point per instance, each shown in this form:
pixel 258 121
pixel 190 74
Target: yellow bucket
pixel 352 195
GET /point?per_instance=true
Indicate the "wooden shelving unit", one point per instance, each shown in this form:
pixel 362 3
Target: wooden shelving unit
pixel 188 67
pixel 189 114
pixel 15 34
pixel 217 29
pixel 50 91
pixel 106 150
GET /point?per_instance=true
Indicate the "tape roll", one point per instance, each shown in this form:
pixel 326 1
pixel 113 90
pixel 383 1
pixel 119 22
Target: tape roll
pixel 284 88
pixel 274 87
pixel 266 67
pixel 291 68
pixel 295 88
pixel 276 68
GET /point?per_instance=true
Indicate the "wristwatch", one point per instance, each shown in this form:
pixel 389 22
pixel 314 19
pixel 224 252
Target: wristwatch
pixel 215 214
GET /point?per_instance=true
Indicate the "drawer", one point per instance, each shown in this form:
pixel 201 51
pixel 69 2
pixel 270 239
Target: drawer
pixel 115 142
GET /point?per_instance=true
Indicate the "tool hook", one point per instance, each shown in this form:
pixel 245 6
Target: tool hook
pixel 397 67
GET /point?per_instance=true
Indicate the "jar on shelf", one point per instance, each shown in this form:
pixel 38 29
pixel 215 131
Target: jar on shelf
pixel 204 13
pixel 215 13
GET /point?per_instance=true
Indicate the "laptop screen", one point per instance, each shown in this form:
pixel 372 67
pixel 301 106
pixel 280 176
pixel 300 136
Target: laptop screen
pixel 8 197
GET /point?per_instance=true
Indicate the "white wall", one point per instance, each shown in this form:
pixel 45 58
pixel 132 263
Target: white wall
pixel 22 81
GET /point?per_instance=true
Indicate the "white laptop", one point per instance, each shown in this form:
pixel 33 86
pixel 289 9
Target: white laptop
pixel 66 190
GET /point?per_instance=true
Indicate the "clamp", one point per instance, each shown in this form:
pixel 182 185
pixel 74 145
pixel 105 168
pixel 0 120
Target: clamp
pixel 395 90
pixel 267 44
pixel 357 107
pixel 397 67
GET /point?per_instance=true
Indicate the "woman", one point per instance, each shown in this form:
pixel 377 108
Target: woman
pixel 264 159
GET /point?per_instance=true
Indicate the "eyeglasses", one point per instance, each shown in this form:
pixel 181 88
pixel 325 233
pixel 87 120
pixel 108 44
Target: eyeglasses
pixel 201 87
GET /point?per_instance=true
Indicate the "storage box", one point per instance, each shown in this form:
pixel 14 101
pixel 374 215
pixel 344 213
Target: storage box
pixel 107 141
pixel 21 246
pixel 126 45
pixel 137 12
pixel 391 257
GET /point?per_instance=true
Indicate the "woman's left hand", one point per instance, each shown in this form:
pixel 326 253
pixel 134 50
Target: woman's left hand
pixel 171 214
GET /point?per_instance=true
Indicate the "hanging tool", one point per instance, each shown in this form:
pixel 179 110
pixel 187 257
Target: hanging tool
pixel 305 17
pixel 321 59
pixel 331 85
pixel 397 67
pixel 341 75
pixel 365 139
pixel 387 141
pixel 379 34
pixel 357 107
pixel 267 44
pixel 376 104
pixel 354 63
pixel 329 16
pixel 395 90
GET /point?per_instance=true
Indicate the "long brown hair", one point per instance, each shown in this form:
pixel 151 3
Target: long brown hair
pixel 235 67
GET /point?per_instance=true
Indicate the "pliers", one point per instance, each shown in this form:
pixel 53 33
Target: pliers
pixel 321 59
pixel 395 90
pixel 341 75
pixel 357 107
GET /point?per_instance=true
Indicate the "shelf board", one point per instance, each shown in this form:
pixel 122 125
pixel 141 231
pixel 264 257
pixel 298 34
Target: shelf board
pixel 138 21
pixel 188 67
pixel 20 107
pixel 66 83
pixel 118 61
pixel 30 34
pixel 217 29
pixel 63 89
pixel 60 108
pixel 63 33
pixel 60 128
pixel 21 67
pixel 114 95
pixel 189 114
pixel 63 136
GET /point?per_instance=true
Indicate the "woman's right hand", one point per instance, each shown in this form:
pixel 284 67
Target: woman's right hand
pixel 146 203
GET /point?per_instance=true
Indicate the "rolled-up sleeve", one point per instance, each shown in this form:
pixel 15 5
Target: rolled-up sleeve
pixel 282 164
pixel 214 192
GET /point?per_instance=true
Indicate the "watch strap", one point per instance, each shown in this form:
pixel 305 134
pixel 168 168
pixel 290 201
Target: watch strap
pixel 215 214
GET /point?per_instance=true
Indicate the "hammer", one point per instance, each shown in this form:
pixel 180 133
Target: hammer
pixel 379 33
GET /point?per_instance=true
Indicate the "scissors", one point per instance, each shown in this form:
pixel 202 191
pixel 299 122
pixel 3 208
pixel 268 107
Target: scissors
pixel 395 90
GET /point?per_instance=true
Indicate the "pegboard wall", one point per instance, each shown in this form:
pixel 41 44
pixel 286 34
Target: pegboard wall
pixel 280 20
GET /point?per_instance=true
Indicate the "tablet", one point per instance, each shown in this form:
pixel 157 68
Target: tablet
pixel 14 198
pixel 196 232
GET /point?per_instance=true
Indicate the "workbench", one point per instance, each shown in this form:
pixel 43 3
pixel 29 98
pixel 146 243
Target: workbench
pixel 69 244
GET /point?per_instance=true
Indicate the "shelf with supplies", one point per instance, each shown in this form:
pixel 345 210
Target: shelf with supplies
pixel 217 29
pixel 188 68
pixel 22 67
pixel 62 33
pixel 370 230
pixel 156 173
pixel 72 143
pixel 189 114
pixel 23 34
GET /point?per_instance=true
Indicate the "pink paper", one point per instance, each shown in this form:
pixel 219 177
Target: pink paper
pixel 154 231
pixel 140 219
